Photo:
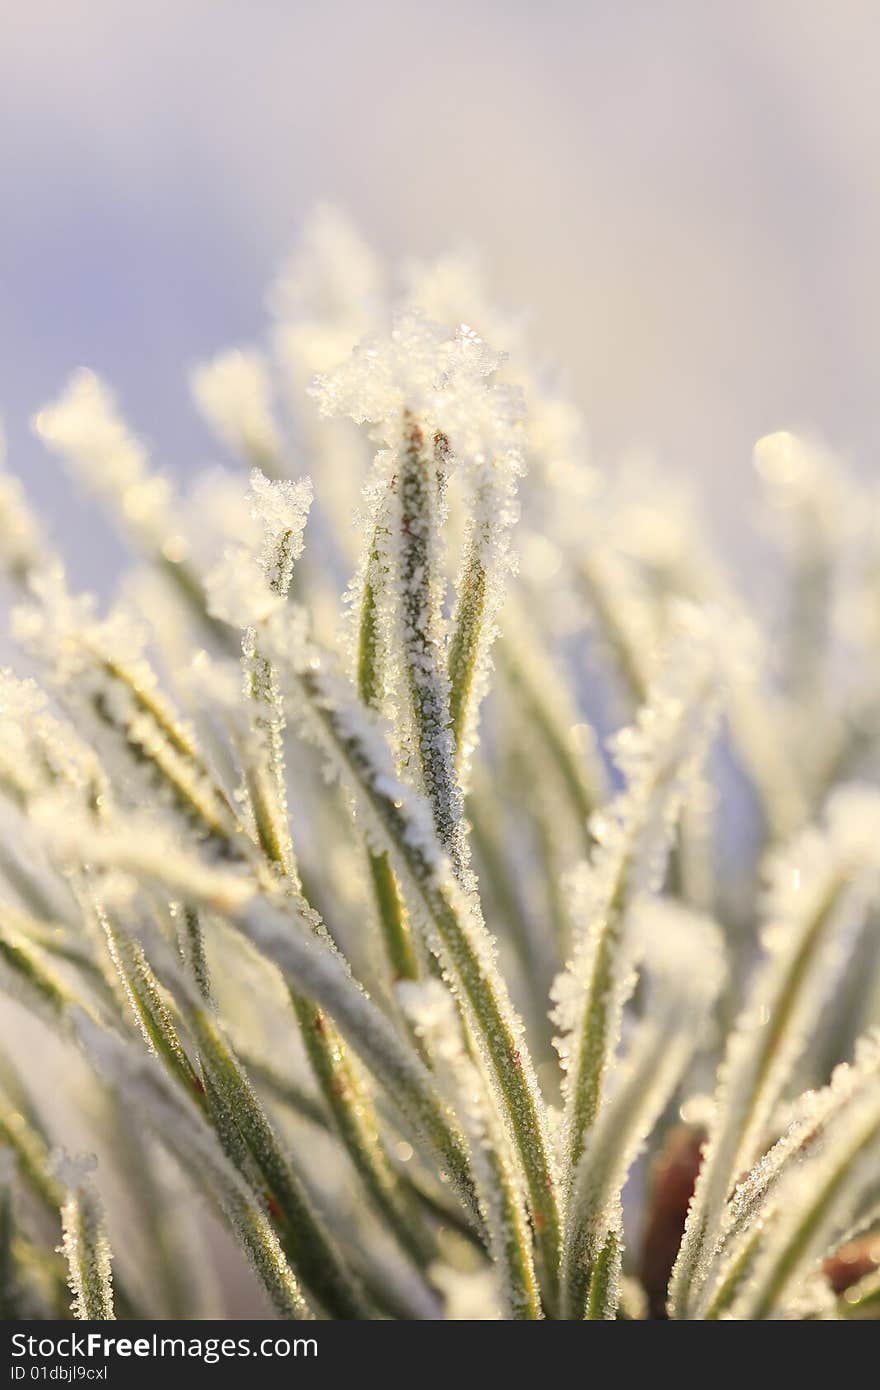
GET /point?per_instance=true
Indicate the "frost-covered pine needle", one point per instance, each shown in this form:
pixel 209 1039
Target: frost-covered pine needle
pixel 683 958
pixel 85 428
pixel 660 756
pixel 85 1245
pixel 819 895
pixel 433 1015
pixel 816 1207
pixel 755 1198
pixel 403 825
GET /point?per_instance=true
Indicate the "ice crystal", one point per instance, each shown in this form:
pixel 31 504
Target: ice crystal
pixel 683 961
pixel 817 901
pixel 281 511
pixel 660 758
pixel 423 368
pixel 816 1207
pixel 432 1012
pixel 251 583
pixel 85 1244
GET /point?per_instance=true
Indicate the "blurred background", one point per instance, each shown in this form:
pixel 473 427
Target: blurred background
pixel 685 197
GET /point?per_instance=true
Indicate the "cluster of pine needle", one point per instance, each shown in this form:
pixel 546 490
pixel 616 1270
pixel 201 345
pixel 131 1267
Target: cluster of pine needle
pixel 430 883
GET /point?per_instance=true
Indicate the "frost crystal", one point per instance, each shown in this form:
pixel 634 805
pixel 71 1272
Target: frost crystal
pixel 250 584
pixel 281 510
pixel 100 673
pixel 85 1245
pixel 422 368
pixel 432 1012
pixel 660 757
pixel 818 896
pixel 817 1206
pixel 684 965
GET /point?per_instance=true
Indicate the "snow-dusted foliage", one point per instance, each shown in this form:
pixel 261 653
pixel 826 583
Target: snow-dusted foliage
pixel 84 427
pixel 424 827
pixel 85 1245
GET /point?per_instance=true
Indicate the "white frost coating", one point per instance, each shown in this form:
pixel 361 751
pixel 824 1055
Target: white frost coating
pixel 22 704
pixel 285 935
pixel 755 1194
pixel 550 721
pixel 431 1009
pixel 644 548
pixel 22 547
pixel 560 484
pixel 327 298
pixel 166 835
pixel 400 822
pixel 815 1206
pixel 85 428
pixel 234 394
pixel 354 739
pixel 98 670
pixel 397 817
pixel 62 630
pixel 72 1170
pixel 37 750
pixel 216 515
pixel 138 846
pixel 426 391
pixel 85 1245
pixel 819 891
pixel 453 287
pixel 181 1128
pixel 487 561
pixel 435 375
pixel 251 582
pixel 683 954
pixel 660 757
pixel 683 960
pixel 281 510
pixel 247 589
pixel 237 591
pixel 416 593
pixel 321 973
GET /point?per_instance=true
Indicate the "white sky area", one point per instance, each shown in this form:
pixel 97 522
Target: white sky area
pixel 686 196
